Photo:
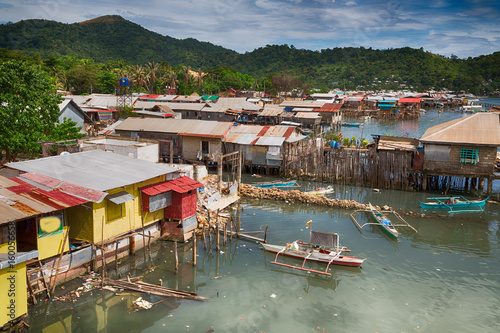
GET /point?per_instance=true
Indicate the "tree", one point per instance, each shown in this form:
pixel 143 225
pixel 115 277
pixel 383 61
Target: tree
pixel 66 130
pixel 28 108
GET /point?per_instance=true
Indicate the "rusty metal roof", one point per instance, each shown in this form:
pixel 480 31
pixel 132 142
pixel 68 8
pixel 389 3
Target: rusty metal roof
pixel 180 185
pixel 307 115
pixel 95 169
pixel 187 127
pixel 261 135
pixel 478 129
pixel 329 107
pixel 23 200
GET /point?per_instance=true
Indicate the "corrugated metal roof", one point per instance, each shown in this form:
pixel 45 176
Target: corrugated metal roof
pixel 236 103
pixel 409 100
pixel 478 129
pixel 307 115
pixel 251 134
pixel 269 141
pixel 180 185
pixel 25 200
pixel 50 183
pixel 305 104
pixel 96 169
pixel 176 126
pixel 271 112
pixel 120 197
pixel 329 107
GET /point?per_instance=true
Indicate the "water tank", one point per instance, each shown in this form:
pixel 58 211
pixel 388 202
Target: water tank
pixel 124 82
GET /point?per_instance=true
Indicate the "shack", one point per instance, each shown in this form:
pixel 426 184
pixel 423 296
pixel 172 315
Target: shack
pixel 189 139
pixel 465 147
pixel 262 146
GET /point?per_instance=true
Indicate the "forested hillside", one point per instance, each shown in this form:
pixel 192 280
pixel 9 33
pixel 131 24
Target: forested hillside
pixel 112 40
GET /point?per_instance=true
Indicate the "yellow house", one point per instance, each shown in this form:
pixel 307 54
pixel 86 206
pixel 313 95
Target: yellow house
pixel 110 184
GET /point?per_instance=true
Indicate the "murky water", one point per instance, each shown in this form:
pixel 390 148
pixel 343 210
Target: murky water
pixel 445 278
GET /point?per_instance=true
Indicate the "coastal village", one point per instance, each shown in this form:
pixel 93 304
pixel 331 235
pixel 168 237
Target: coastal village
pixel 172 168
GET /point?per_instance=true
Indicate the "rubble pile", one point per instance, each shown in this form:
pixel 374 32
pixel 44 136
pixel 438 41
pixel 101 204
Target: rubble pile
pixel 296 196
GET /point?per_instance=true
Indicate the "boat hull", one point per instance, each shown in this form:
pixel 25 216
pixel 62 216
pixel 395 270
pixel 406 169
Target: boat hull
pixel 439 204
pixel 386 227
pixel 275 184
pixel 320 192
pixel 315 256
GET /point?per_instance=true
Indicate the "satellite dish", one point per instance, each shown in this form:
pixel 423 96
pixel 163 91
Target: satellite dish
pixel 64 153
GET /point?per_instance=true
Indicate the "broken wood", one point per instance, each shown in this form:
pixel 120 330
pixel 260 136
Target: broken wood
pixel 153 289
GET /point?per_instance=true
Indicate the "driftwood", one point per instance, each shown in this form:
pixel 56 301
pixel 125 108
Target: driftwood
pixel 153 289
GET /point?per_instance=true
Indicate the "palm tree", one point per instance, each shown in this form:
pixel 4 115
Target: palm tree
pixel 138 76
pixel 187 76
pixel 170 80
pixel 152 67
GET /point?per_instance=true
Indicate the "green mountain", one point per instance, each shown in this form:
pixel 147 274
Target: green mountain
pixel 112 38
pixel 107 38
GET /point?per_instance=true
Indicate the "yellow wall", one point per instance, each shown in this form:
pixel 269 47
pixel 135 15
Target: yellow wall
pixel 50 246
pixel 80 221
pixel 13 292
pixel 132 216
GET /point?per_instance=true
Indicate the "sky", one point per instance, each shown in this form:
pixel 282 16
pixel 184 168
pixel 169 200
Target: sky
pixel 461 28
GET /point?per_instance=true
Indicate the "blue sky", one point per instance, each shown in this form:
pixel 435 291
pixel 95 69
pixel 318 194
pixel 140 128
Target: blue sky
pixel 461 28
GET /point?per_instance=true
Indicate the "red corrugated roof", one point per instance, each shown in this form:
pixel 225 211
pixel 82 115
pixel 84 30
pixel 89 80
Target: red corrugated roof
pixel 329 107
pixel 264 130
pixel 409 100
pixel 55 198
pixel 289 132
pixel 149 96
pixel 179 185
pixel 70 189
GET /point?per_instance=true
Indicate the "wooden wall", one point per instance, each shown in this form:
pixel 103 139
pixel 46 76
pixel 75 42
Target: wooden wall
pixel 453 167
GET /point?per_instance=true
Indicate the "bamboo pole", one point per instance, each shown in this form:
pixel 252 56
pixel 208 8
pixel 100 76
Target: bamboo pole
pixel 59 262
pixel 176 258
pixel 194 249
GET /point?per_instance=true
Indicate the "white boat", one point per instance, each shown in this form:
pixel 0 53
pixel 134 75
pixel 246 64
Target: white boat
pixel 321 191
pixel 322 247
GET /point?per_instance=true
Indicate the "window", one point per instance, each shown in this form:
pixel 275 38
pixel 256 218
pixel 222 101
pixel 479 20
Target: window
pixel 469 156
pixel 113 210
pixel 205 147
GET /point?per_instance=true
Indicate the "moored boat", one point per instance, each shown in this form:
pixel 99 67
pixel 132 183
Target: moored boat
pixel 383 222
pixel 321 191
pixel 275 184
pixel 459 203
pixel 322 247
pixel 353 124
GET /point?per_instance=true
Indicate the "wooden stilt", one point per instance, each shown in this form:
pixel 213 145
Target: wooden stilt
pixel 194 249
pixel 176 258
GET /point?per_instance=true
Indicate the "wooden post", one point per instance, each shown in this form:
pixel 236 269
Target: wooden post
pixel 131 245
pixel 265 235
pixel 231 229
pixel 171 152
pixel 163 226
pixel 176 258
pixel 194 249
pixel 219 174
pixel 116 257
pixel 204 236
pixel 224 231
pixel 240 164
pixel 489 187
pixel 217 240
pixel 58 263
pixel 103 268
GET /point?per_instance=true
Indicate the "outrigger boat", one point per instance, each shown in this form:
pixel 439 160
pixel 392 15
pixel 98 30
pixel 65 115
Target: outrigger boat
pixel 275 184
pixel 322 247
pixel 353 124
pixel 380 219
pixel 452 203
pixel 321 191
pixel 384 222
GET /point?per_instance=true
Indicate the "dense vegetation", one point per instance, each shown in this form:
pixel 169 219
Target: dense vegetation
pixel 91 55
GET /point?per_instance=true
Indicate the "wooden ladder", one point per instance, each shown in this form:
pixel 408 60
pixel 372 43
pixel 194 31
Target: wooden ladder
pixel 37 284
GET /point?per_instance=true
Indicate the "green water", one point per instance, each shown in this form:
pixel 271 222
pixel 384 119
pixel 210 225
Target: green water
pixel 445 278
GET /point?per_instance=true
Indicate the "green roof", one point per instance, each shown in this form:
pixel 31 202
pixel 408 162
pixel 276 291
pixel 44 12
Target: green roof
pixel 210 97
